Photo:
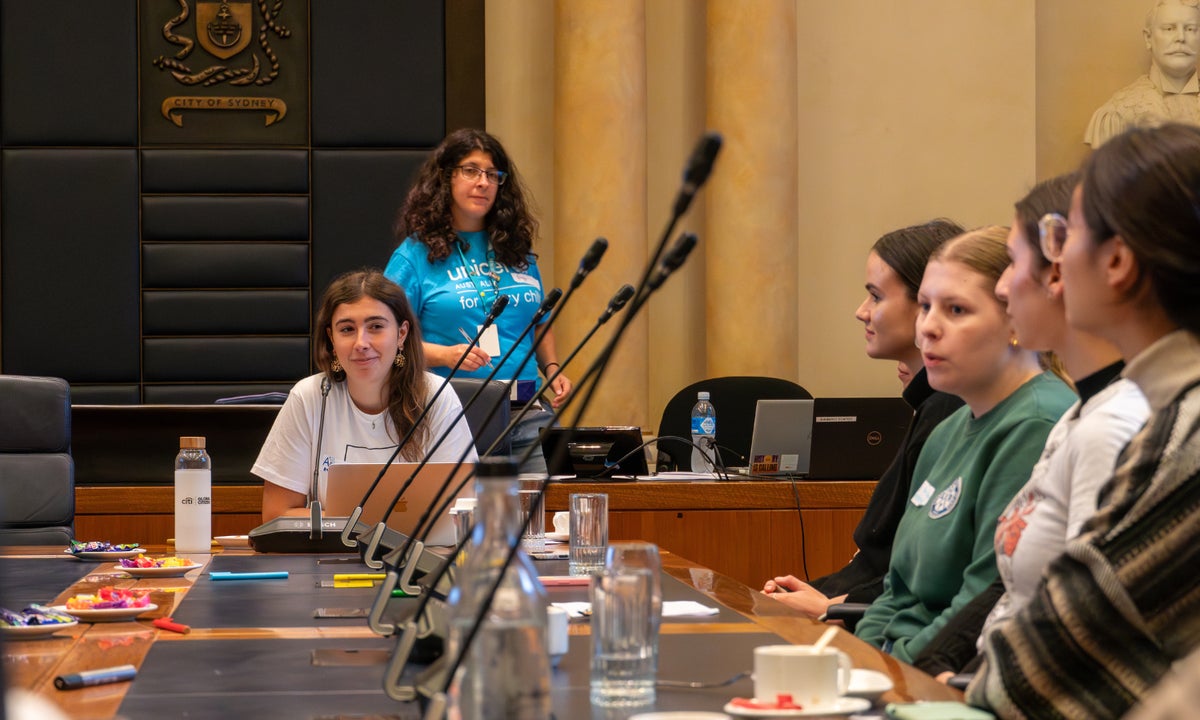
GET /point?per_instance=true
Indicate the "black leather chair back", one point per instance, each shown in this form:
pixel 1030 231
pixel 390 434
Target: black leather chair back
pixel 495 393
pixel 37 475
pixel 734 398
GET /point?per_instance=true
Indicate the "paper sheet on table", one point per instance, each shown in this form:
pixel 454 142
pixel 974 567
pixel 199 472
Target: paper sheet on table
pixel 672 608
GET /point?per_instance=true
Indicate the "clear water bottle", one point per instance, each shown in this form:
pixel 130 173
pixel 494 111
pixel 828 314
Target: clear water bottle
pixel 704 433
pixel 193 497
pixel 506 673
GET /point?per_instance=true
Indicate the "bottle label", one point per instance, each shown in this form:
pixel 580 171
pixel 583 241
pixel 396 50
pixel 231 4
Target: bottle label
pixel 704 426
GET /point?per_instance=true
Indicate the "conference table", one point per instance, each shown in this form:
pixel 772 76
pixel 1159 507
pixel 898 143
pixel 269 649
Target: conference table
pixel 256 650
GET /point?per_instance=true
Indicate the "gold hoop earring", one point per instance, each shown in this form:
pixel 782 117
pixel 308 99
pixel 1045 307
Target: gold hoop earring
pixel 1013 343
pixel 400 360
pixel 335 366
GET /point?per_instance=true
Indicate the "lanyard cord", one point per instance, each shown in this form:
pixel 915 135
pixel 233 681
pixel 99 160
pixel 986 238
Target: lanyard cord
pixel 473 275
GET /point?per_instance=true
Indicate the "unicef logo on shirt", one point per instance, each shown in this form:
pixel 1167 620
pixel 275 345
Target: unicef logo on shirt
pixel 946 500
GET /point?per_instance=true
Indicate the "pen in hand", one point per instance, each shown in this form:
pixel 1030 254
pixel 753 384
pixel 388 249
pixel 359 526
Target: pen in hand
pixel 472 342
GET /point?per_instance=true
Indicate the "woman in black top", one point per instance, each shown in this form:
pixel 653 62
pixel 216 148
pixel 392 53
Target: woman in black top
pixel 894 270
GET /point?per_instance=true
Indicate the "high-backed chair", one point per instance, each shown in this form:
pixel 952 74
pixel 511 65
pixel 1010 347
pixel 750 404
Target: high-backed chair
pixel 734 398
pixel 496 393
pixel 37 476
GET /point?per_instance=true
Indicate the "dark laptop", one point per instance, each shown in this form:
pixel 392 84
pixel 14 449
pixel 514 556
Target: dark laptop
pixel 596 452
pixel 856 438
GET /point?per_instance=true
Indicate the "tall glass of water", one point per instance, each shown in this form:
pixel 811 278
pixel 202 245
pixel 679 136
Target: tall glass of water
pixel 626 610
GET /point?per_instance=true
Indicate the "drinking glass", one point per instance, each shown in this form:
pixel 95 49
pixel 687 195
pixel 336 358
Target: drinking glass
pixel 588 532
pixel 626 610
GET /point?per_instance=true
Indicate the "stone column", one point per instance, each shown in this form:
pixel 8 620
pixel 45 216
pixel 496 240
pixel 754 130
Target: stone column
pixel 600 185
pixel 750 243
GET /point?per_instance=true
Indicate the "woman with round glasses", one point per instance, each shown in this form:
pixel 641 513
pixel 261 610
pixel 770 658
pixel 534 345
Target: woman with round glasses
pixel 1082 448
pixel 1122 603
pixel 467 238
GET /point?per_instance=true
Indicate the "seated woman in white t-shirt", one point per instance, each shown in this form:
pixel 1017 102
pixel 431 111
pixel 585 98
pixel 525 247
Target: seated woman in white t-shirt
pixel 367 345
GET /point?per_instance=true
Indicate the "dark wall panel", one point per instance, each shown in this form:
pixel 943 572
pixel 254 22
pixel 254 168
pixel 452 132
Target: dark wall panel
pixel 352 227
pixel 225 218
pixel 225 171
pixel 69 72
pixel 390 90
pixel 232 265
pixel 226 359
pixel 69 264
pixel 227 312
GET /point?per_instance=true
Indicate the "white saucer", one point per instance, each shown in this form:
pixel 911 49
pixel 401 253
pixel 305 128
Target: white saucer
pixel 558 537
pixel 842 706
pixel 869 684
pixel 36 630
pixel 94 615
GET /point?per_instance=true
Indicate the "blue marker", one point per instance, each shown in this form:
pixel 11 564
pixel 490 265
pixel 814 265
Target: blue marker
pixel 88 678
pixel 247 575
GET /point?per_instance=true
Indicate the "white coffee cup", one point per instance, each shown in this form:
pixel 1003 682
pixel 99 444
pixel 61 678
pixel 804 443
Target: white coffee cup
pixel 562 522
pixel 558 639
pixel 811 678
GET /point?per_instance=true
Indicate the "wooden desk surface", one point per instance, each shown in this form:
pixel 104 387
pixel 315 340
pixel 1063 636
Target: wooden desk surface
pixel 32 664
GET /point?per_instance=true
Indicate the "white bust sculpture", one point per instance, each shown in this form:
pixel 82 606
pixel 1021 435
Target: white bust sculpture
pixel 1171 90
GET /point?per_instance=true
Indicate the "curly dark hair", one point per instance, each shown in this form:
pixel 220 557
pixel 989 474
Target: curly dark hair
pixel 425 214
pixel 406 385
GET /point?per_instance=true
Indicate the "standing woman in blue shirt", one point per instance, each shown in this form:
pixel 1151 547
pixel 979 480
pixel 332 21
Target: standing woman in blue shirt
pixel 467 237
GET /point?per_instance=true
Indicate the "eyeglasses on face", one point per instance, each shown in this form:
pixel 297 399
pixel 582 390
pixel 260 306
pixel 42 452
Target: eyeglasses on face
pixel 472 174
pixel 1052 233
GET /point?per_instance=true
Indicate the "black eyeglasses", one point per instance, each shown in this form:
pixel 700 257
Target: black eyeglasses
pixel 472 173
pixel 1052 232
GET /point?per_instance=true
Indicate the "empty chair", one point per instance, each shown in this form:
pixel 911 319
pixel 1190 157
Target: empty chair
pixel 734 398
pixel 37 475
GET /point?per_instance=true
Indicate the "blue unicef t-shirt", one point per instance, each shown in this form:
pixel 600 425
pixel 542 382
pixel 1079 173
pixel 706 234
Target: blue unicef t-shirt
pixel 448 295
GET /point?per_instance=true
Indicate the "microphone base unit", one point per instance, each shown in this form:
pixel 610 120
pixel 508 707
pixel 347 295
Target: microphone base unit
pixel 293 534
pixel 429 561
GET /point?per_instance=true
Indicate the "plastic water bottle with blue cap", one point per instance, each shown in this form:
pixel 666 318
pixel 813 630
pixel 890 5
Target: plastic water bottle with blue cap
pixel 704 433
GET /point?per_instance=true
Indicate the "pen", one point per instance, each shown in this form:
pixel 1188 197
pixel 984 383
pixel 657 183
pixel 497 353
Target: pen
pixel 470 341
pixel 360 576
pixel 247 575
pixel 166 623
pixel 397 592
pixel 353 583
pixel 87 678
pixel 557 580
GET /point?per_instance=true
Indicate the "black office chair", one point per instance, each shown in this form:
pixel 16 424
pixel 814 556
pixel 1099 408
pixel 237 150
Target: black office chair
pixel 734 398
pixel 37 475
pixel 496 393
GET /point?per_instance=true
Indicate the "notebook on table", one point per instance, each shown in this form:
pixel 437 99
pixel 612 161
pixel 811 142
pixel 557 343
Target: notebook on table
pixel 781 442
pixel 857 438
pixel 611 452
pixel 347 482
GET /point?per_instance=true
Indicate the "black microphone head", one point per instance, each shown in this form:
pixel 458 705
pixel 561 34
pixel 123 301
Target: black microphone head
pixel 592 257
pixel 623 296
pixel 701 162
pixel 497 308
pixel 683 248
pixel 548 304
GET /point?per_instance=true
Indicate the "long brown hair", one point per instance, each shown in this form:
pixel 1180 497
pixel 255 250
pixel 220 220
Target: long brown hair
pixel 425 215
pixel 407 385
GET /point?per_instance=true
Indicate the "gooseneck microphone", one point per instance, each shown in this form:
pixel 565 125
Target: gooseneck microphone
pixel 698 170
pixel 552 304
pixel 316 532
pixel 352 527
pixel 405 545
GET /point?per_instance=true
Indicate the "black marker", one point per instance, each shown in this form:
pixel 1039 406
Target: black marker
pixel 87 678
